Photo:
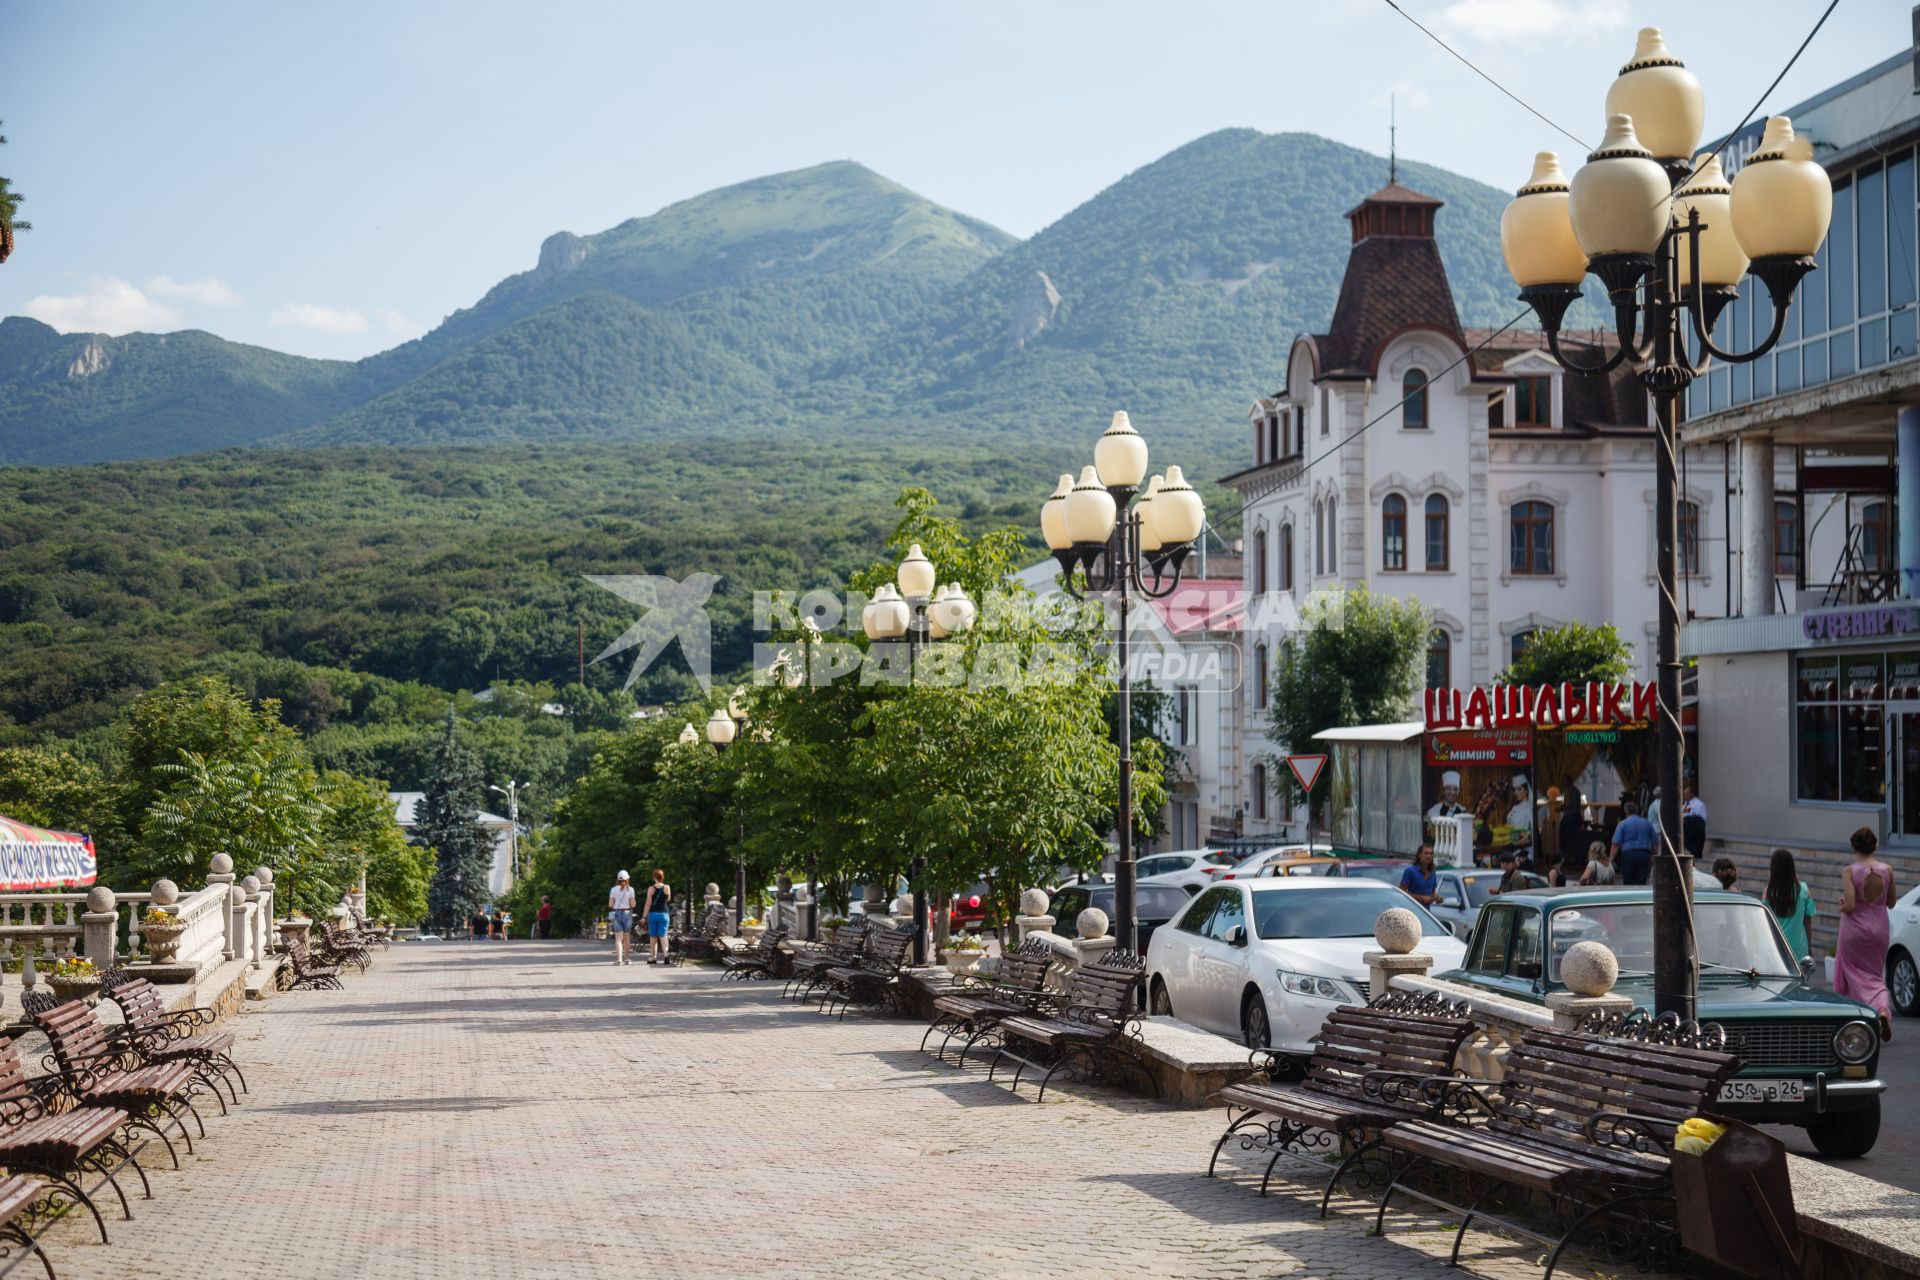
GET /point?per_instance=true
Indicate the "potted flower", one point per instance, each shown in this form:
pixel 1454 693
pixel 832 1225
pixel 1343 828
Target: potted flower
pixel 160 931
pixel 962 953
pixel 832 925
pixel 750 931
pixel 75 979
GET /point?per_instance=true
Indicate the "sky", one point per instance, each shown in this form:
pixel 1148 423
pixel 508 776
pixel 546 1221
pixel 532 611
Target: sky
pixel 334 179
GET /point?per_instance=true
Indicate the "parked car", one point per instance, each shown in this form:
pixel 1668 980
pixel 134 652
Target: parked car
pixel 1808 1056
pixel 1385 870
pixel 1154 905
pixel 1266 960
pixel 1316 865
pixel 1464 890
pixel 1903 954
pixel 1191 869
pixel 1256 864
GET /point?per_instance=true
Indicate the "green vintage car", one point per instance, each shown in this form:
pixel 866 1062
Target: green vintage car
pixel 1808 1056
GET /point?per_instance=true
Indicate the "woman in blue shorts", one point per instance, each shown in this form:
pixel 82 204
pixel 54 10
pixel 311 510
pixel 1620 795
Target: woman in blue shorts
pixel 659 907
pixel 620 904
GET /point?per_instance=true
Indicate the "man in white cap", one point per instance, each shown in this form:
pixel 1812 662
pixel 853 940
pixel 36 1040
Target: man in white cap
pixel 1449 806
pixel 620 902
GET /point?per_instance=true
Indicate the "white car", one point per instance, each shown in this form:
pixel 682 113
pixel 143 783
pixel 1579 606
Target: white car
pixel 1190 869
pixel 1256 865
pixel 1265 961
pixel 1903 954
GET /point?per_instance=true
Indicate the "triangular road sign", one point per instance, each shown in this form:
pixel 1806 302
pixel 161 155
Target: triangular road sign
pixel 1306 770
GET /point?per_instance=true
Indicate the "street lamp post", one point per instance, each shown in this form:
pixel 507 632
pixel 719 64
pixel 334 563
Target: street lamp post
pixel 690 737
pixel 1124 547
pixel 1667 239
pixel 512 792
pixel 722 726
pixel 913 608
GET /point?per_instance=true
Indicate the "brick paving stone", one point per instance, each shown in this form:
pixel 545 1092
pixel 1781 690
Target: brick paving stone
pixel 530 1110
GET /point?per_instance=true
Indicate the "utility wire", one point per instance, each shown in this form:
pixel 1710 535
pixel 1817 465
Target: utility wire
pixel 1755 108
pixel 1489 79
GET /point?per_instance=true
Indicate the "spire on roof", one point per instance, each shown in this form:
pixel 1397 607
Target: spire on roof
pixel 1393 142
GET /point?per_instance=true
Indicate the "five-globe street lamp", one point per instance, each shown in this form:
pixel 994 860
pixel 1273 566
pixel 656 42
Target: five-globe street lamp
pixel 1095 528
pixel 722 727
pixel 915 609
pixel 1668 239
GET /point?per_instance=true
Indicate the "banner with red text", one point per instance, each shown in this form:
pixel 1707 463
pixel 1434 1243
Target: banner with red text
pixel 34 858
pixel 1543 706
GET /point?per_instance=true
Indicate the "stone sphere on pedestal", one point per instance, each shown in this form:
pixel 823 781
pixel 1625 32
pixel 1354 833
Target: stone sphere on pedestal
pixel 222 864
pixel 1589 969
pixel 1034 902
pixel 165 893
pixel 713 890
pixel 1092 923
pixel 1397 930
pixel 264 875
pixel 251 884
pixel 236 894
pixel 100 900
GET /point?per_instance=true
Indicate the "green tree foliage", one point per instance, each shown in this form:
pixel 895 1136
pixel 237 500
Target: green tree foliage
pixel 48 787
pixel 600 828
pixel 10 222
pixel 360 834
pixel 446 822
pixel 1574 652
pixel 1358 659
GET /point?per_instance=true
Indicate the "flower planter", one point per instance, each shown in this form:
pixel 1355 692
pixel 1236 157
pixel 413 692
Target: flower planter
pixel 87 989
pixel 830 932
pixel 750 933
pixel 291 929
pixel 962 961
pixel 162 941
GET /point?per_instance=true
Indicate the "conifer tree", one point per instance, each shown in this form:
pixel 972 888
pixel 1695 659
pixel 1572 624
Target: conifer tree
pixel 448 823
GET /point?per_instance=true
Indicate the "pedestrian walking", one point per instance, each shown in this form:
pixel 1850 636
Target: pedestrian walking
pixel 1727 874
pixel 1791 902
pixel 1420 881
pixel 1599 865
pixel 1573 822
pixel 1633 846
pixel 543 918
pixel 1511 877
pixel 620 902
pixel 1693 820
pixel 659 914
pixel 499 925
pixel 1859 967
pixel 477 926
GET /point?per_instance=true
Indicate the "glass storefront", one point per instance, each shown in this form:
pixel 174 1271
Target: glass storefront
pixel 1857 733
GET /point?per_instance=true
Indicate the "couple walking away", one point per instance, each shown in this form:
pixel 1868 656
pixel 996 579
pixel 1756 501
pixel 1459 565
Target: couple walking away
pixel 621 900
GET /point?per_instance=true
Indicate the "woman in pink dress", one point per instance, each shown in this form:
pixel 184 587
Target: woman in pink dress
pixel 1860 961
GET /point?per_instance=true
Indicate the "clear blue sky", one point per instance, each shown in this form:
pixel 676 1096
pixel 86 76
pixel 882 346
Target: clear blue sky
pixel 331 179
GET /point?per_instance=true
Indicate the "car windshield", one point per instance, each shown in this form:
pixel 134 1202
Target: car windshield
pixel 1732 937
pixel 1346 912
pixel 1387 871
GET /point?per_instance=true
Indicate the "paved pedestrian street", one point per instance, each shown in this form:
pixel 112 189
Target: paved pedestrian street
pixel 528 1109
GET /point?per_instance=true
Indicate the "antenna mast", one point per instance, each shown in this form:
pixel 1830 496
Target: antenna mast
pixel 1393 142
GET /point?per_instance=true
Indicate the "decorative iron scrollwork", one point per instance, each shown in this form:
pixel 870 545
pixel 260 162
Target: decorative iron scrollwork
pixel 1666 1029
pixel 1420 1004
pixel 1629 1132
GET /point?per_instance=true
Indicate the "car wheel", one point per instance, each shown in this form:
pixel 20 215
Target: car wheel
pixel 1844 1135
pixel 1903 984
pixel 1254 1026
pixel 1161 1002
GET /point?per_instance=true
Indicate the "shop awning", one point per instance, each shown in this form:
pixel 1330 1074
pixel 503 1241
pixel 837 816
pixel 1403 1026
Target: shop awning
pixel 1404 732
pixel 34 858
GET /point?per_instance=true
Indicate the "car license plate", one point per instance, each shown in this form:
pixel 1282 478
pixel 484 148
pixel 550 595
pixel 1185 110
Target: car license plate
pixel 1763 1091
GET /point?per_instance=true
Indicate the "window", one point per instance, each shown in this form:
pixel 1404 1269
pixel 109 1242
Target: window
pixel 1413 409
pixel 1533 401
pixel 1259 561
pixel 1873 537
pixel 1231 913
pixel 1183 727
pixel 1688 528
pixel 1273 436
pixel 1333 535
pixel 1838 736
pixel 1286 557
pixel 1259 791
pixel 1201 909
pixel 1524 960
pixel 1439 659
pixel 1393 532
pixel 1521 642
pixel 1436 532
pixel 1260 676
pixel 1531 542
pixel 1319 540
pixel 1786 539
pixel 1325 417
pixel 1489 954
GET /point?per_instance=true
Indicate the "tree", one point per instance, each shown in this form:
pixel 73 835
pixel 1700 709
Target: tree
pixel 261 807
pixel 447 822
pixel 1572 653
pixel 51 788
pixel 600 827
pixel 362 833
pixel 10 201
pixel 1358 659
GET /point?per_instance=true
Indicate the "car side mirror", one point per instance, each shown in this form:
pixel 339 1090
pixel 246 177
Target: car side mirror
pixel 1236 935
pixel 1448 900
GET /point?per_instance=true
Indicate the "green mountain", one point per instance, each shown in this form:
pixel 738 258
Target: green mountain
pixel 828 301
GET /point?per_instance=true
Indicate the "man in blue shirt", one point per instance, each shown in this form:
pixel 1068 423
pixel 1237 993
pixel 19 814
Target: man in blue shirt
pixel 1633 842
pixel 1420 881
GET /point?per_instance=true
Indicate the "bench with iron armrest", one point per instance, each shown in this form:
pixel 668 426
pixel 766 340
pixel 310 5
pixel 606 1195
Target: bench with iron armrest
pixel 367 932
pixel 1096 1031
pixel 158 1034
pixel 1372 1067
pixel 874 980
pixel 95 1072
pixel 19 1197
pixel 307 971
pixel 43 1132
pixel 810 966
pixel 699 944
pixel 976 1002
pixel 335 948
pixel 756 961
pixel 1586 1120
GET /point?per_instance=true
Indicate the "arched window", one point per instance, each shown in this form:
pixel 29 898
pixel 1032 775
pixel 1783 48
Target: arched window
pixel 1260 677
pixel 1439 659
pixel 1786 538
pixel 1518 646
pixel 1333 535
pixel 1286 557
pixel 1393 532
pixel 1413 407
pixel 1688 533
pixel 1530 539
pixel 1436 532
pixel 1319 539
pixel 1259 791
pixel 1259 561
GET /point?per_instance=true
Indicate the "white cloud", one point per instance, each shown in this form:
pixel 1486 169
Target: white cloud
pixel 110 305
pixel 208 292
pixel 395 323
pixel 1516 21
pixel 308 315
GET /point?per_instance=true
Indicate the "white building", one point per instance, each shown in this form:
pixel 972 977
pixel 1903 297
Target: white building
pixel 1505 494
pixel 500 875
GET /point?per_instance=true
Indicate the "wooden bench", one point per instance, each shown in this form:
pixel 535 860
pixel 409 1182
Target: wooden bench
pixel 1096 1031
pixel 336 948
pixel 96 1073
pixel 756 961
pixel 874 980
pixel 1372 1067
pixel 809 967
pixel 308 972
pixel 367 933
pixel 18 1196
pixel 158 1034
pixel 1586 1120
pixel 975 1003
pixel 43 1132
pixel 699 943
